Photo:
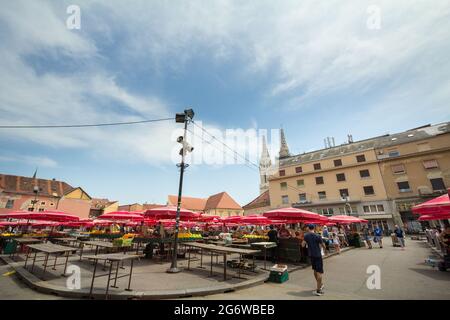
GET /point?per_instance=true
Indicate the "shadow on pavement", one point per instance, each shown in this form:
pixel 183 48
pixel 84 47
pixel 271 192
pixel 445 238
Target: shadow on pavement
pixel 433 273
pixel 305 293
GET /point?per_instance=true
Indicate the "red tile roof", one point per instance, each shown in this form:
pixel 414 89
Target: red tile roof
pixel 25 185
pixel 263 200
pixel 221 200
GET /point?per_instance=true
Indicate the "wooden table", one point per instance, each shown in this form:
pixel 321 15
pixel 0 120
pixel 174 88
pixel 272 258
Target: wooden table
pixel 68 240
pixel 96 244
pixel 265 246
pixel 48 249
pixel 221 250
pixel 112 258
pixel 23 242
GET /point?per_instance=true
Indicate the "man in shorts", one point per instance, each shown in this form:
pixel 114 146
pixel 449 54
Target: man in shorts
pixel 378 236
pixel 315 244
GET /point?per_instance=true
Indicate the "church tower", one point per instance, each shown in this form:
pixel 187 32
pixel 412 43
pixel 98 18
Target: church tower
pixel 284 149
pixel 264 168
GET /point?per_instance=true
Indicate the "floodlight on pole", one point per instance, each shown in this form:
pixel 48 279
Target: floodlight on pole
pixel 185 118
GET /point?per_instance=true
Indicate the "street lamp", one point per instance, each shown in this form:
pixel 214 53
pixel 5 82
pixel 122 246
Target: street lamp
pixel 185 118
pixel 36 191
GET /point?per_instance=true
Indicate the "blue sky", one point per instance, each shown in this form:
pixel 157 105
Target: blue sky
pixel 312 67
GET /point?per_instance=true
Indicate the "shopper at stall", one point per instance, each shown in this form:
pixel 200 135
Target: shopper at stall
pixel 315 243
pixel 336 243
pixel 273 237
pixel 378 236
pixel 400 236
pixel 366 236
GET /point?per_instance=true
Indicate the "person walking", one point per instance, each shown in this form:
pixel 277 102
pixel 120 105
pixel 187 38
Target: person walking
pixel 378 236
pixel 366 236
pixel 315 244
pixel 400 236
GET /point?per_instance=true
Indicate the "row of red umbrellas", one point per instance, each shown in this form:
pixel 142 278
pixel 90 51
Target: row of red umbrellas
pixel 167 215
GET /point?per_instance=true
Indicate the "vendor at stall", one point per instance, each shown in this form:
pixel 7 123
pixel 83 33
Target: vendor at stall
pixel 284 233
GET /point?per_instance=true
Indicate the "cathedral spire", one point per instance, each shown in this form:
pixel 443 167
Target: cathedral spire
pixel 264 167
pixel 284 149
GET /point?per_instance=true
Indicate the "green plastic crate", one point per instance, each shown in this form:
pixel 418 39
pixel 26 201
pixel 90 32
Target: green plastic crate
pixel 10 247
pixel 278 277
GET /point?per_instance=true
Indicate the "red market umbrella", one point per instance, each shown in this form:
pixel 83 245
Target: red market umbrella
pixel 346 219
pixel 430 217
pixel 170 212
pixel 436 206
pixel 255 220
pixel 41 224
pixel 49 215
pixel 207 218
pixel 122 216
pixel 232 219
pixel 295 215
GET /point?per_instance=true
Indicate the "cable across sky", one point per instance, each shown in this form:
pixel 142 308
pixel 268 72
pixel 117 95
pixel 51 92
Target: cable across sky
pixel 82 125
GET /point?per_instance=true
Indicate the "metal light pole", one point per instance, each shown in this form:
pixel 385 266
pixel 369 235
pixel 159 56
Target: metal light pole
pixel 36 191
pixel 186 117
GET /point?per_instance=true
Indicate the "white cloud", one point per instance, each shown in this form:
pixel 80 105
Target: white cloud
pixel 37 161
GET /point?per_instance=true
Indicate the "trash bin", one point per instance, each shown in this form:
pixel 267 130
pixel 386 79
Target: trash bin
pixel 10 247
pixel 395 242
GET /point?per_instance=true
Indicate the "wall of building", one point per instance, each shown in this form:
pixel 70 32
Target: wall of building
pixel 353 181
pixel 223 212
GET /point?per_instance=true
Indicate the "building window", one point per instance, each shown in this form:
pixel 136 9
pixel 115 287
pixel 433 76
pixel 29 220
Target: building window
pixel 42 203
pixel 326 211
pixel 398 169
pixel 337 162
pixel 283 185
pixel 322 195
pixel 30 209
pixel 282 173
pixel 364 173
pixel 430 164
pixel 340 177
pixel 298 170
pixel 437 184
pixel 403 186
pixel 342 210
pixel 9 204
pixel 361 158
pixel 319 180
pixel 373 208
pixel 41 209
pixel 368 190
pixel 285 199
pixel 343 193
pixel 302 197
pixel 317 166
pixel 393 153
pixel 300 183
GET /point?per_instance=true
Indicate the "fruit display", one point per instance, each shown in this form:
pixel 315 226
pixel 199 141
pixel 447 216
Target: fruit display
pixel 5 235
pixel 189 236
pixel 255 236
pixel 129 236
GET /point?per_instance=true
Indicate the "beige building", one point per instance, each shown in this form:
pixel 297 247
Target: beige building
pixel 259 205
pixel 364 178
pixel 415 168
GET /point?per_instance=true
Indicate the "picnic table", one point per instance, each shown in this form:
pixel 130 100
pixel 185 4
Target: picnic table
pixel 265 246
pixel 48 249
pixel 112 258
pixel 219 250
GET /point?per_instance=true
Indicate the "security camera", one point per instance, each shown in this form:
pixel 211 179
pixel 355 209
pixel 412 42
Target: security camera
pixel 180 139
